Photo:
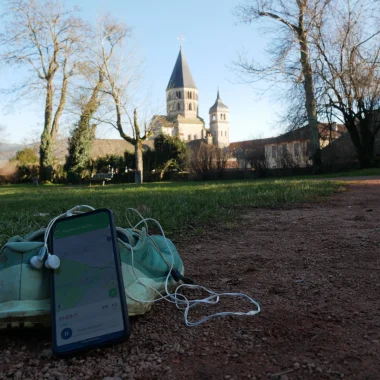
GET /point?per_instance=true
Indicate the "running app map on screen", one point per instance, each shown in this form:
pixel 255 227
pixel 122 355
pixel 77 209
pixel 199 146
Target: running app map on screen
pixel 87 300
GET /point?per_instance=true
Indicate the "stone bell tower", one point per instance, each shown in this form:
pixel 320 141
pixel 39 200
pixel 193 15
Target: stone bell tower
pixel 182 93
pixel 219 123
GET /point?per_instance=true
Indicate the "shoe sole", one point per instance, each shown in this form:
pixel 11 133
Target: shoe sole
pixel 36 313
pixel 26 313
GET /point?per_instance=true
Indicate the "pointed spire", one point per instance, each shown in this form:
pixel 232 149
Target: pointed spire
pixel 218 105
pixel 181 76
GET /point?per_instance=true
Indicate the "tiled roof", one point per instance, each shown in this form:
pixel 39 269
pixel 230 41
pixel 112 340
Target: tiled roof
pixel 304 133
pixel 218 105
pixel 254 147
pixel 186 120
pixel 102 147
pixel 173 121
pixel 181 76
pixel 164 121
pixel 195 145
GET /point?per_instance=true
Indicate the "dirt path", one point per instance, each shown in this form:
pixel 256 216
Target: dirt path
pixel 314 268
pixel 359 179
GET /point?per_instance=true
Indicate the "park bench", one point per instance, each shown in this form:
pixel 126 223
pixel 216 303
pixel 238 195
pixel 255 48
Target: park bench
pixel 100 177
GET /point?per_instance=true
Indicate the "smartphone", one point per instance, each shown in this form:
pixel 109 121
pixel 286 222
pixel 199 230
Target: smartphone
pixel 87 292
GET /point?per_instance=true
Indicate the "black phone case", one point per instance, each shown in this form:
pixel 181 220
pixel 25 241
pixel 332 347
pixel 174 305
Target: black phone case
pixel 120 285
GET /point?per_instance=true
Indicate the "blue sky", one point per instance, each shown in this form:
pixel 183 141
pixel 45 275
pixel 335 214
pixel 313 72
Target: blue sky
pixel 213 40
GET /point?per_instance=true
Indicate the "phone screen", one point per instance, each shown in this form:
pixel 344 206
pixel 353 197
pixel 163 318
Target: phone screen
pixel 89 303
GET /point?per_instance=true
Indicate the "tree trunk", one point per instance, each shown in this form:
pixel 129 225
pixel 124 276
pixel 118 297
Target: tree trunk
pixel 47 143
pixel 310 98
pixel 138 150
pixel 139 162
pixel 367 138
pixel 368 160
pixel 165 168
pixel 364 143
pixel 61 106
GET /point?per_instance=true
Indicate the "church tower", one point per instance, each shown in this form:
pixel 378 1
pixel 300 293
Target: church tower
pixel 219 123
pixel 182 93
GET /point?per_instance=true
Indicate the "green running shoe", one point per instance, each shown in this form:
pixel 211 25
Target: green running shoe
pixel 25 291
pixel 146 279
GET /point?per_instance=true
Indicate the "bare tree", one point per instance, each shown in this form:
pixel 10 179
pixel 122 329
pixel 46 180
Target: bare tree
pixel 348 68
pixel 88 94
pixel 290 50
pixel 202 159
pixel 256 161
pixel 207 158
pixel 43 36
pixel 121 71
pixel 221 158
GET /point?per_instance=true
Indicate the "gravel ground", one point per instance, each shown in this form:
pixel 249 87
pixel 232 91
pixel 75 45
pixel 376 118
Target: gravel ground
pixel 314 268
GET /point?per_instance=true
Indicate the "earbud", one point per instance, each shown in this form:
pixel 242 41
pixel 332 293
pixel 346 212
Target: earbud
pixel 37 262
pixel 52 262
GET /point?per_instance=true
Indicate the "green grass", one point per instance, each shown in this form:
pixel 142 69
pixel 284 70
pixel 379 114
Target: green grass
pixel 182 208
pixel 355 173
pixel 351 173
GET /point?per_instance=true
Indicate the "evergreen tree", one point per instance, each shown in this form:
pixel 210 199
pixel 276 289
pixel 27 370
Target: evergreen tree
pixel 83 135
pixel 170 153
pixel 80 144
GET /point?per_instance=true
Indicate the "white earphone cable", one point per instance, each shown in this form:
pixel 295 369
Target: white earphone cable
pixel 177 298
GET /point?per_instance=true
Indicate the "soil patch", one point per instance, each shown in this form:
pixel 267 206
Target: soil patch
pixel 313 267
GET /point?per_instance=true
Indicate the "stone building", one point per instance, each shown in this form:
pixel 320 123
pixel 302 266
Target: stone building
pixel 219 123
pixel 291 149
pixel 182 118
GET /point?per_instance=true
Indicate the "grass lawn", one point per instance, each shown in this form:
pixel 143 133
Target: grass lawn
pixel 351 173
pixel 182 208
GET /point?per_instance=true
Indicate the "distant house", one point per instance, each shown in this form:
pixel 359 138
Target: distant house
pixel 249 152
pixel 100 148
pixel 103 147
pixel 291 149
